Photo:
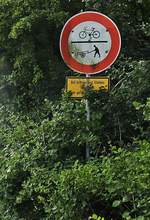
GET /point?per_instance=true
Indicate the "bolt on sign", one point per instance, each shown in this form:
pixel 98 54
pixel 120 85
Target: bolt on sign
pixel 77 86
pixel 90 42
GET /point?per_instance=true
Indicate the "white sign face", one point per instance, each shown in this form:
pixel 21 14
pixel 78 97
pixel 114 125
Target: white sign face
pixel 89 42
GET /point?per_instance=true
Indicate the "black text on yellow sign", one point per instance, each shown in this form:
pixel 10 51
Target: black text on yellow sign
pixel 77 86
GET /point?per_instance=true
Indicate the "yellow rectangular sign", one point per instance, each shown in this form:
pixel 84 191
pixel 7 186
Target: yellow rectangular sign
pixel 77 85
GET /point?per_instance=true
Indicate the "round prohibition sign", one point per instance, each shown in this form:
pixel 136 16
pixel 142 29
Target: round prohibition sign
pixel 90 42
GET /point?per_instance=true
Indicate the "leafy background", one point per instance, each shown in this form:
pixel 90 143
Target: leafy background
pixel 44 173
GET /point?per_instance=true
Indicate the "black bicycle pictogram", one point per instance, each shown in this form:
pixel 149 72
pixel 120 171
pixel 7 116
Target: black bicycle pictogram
pixel 92 33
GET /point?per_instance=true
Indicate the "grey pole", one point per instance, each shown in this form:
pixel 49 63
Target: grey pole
pixel 87 119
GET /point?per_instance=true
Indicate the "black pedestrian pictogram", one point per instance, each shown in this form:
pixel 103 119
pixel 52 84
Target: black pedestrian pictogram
pixel 84 53
pixel 96 51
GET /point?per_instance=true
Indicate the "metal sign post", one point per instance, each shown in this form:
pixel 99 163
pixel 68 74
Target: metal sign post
pixel 87 106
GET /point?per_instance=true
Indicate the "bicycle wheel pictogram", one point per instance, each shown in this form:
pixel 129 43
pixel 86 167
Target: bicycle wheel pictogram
pixel 82 34
pixel 96 34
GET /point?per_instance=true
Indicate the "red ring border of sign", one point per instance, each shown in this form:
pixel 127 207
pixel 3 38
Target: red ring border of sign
pixel 115 42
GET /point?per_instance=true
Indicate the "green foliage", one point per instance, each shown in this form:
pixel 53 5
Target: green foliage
pixel 133 19
pixel 114 119
pixel 33 179
pixel 42 179
pixel 29 35
pixel 95 217
pixel 145 108
pixel 43 171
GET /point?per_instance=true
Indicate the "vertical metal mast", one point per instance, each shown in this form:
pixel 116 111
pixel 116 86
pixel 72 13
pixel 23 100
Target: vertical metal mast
pixel 87 106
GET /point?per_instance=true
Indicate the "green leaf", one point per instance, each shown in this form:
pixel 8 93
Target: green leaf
pixel 125 199
pixel 140 218
pixel 94 217
pixel 137 105
pixel 125 215
pixel 116 203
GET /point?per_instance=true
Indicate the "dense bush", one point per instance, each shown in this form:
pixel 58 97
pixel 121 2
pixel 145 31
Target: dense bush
pixel 115 187
pixel 41 177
